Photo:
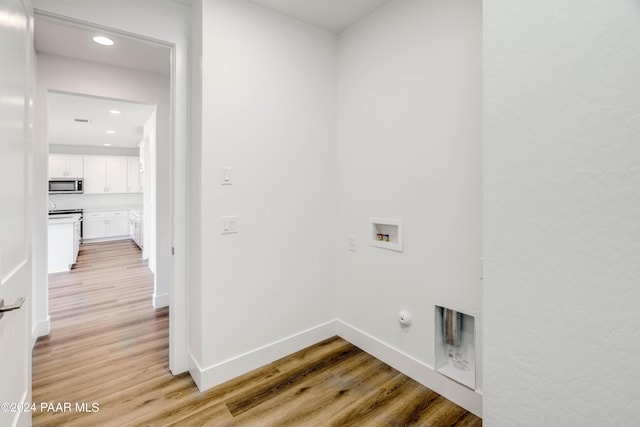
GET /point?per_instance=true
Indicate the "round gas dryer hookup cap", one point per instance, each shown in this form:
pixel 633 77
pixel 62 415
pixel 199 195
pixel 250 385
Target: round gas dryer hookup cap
pixel 404 317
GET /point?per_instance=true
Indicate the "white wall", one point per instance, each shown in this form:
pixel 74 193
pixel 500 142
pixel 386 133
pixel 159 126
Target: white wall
pixel 196 303
pixel 148 153
pixel 268 111
pixel 68 75
pixel 409 147
pixel 562 213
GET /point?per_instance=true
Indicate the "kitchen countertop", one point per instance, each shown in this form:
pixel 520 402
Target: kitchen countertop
pixel 137 208
pixel 64 219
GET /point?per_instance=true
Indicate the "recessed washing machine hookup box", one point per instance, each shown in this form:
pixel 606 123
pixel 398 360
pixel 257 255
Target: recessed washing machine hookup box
pixel 455 344
pixel 386 233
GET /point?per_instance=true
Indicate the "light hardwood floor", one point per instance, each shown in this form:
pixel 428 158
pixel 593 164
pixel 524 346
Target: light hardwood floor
pixel 109 346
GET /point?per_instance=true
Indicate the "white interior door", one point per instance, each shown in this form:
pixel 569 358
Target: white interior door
pixel 15 262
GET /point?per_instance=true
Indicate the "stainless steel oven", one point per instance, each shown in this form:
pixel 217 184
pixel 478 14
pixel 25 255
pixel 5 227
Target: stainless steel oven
pixel 66 186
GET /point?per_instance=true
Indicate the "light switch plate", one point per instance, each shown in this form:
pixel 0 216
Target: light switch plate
pixel 226 177
pixel 229 224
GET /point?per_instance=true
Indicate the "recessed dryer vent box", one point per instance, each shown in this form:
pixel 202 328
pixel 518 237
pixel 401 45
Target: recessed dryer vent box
pixel 386 233
pixel 456 360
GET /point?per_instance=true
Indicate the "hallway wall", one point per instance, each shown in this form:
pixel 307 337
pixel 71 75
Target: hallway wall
pixel 562 213
pixel 268 100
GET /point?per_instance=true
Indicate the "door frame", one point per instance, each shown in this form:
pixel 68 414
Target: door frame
pixel 177 221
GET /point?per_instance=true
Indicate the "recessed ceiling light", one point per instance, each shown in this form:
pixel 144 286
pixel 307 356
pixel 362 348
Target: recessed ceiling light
pixel 105 41
pixel 111 132
pixel 107 145
pixel 115 112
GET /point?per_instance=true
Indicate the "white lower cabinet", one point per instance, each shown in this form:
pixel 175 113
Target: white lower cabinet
pixel 64 243
pixel 76 240
pixel 135 228
pixel 118 225
pixel 105 225
pixel 93 228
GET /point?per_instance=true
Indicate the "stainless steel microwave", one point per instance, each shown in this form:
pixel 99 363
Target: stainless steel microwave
pixel 66 186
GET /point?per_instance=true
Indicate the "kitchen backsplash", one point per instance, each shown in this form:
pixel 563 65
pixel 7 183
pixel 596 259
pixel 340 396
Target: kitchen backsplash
pixel 88 201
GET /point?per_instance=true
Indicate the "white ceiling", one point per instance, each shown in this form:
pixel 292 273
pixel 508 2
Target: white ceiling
pixel 64 108
pixel 184 2
pixel 332 15
pixel 52 36
pixel 60 38
pixel 73 41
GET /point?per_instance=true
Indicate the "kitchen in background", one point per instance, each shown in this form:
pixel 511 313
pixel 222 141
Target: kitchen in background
pixel 97 151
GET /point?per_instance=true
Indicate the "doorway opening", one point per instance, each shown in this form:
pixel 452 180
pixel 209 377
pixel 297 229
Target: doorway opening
pixel 101 175
pixel 140 70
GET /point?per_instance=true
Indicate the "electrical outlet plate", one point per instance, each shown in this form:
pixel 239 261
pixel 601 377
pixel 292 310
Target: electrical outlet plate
pixel 229 224
pixel 352 243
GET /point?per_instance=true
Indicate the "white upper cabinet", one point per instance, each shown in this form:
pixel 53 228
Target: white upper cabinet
pixel 134 181
pixel 102 174
pixel 57 166
pixel 95 178
pixel 106 174
pixel 116 174
pixel 65 166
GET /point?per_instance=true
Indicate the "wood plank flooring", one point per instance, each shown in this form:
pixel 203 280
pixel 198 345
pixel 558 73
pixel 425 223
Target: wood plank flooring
pixel 109 346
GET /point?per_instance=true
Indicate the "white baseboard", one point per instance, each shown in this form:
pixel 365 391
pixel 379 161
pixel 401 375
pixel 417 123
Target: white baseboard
pixel 106 239
pixel 40 329
pixel 211 376
pixel 195 370
pixel 408 365
pixel 161 300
